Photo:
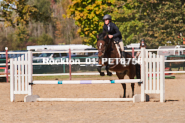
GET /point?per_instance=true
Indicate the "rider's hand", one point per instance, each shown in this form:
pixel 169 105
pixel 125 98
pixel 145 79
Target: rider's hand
pixel 110 36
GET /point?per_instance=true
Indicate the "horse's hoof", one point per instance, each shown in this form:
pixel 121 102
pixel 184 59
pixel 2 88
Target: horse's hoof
pixel 139 83
pixel 102 74
pixel 109 74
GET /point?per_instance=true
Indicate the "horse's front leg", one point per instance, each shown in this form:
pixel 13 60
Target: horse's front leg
pixel 99 70
pixel 124 90
pixel 99 67
pixel 107 69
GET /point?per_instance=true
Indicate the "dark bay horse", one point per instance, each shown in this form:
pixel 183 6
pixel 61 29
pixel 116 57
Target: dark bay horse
pixel 107 49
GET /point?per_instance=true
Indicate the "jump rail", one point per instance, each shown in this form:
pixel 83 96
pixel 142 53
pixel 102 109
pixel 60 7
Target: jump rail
pixel 21 81
pixel 86 81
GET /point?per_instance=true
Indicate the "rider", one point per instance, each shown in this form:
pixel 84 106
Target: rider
pixel 113 32
pixel 142 44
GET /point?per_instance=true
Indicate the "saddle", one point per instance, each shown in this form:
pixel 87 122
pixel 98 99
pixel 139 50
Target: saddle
pixel 118 48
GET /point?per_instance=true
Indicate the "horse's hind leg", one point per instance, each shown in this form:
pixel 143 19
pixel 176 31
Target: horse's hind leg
pixel 131 75
pixel 124 90
pixel 121 75
pixel 138 72
pixel 132 86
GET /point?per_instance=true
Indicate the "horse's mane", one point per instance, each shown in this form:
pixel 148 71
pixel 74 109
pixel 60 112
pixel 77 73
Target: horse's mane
pixel 101 36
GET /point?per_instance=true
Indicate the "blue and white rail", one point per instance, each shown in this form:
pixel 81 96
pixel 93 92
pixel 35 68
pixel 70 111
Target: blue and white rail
pixel 86 81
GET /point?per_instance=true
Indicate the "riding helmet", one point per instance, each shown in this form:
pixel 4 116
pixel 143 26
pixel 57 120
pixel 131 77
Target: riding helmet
pixel 107 17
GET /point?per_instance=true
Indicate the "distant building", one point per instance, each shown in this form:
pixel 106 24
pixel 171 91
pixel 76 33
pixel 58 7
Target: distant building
pixel 167 52
pixel 133 45
pixel 59 47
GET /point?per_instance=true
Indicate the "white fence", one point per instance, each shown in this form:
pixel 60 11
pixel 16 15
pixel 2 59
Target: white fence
pixel 22 81
pixel 87 73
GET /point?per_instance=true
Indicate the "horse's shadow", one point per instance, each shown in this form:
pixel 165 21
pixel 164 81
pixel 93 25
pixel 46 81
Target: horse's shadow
pixel 171 100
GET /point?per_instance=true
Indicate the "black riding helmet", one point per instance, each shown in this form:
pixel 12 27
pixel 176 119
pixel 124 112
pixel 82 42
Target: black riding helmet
pixel 107 17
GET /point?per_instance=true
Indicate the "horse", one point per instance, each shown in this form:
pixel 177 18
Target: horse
pixel 107 49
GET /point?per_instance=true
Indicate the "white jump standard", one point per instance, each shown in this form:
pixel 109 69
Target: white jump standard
pixel 21 81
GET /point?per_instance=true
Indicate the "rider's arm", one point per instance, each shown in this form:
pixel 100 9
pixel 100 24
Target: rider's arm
pixel 118 33
pixel 104 30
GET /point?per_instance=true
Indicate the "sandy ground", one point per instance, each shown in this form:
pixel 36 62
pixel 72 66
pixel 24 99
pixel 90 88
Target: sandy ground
pixel 173 110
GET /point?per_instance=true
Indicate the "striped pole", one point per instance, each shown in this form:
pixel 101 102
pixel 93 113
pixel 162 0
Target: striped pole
pixel 86 81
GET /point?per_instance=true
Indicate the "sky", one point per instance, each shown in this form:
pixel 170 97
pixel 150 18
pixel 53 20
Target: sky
pixel 12 5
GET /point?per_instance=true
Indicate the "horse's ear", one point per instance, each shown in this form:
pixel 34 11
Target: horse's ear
pixel 105 37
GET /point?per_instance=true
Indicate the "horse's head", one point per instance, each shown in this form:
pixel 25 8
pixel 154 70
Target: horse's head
pixel 102 42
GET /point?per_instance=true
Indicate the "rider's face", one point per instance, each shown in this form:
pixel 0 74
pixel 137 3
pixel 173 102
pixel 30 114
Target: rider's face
pixel 107 22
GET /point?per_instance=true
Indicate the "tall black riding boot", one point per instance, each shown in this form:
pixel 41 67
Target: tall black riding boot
pixel 123 54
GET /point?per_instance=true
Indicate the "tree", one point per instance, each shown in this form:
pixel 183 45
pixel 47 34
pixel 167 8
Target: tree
pixel 24 12
pixel 164 22
pixel 31 19
pixel 161 21
pixel 88 17
pixel 156 21
pixel 65 28
pixel 21 37
pixel 127 17
pixel 45 39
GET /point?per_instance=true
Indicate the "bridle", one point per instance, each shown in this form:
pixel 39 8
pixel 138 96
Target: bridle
pixel 105 49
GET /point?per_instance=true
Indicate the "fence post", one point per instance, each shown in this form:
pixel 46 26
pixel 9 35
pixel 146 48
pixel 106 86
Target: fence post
pixel 12 81
pixel 69 63
pixel 30 72
pixel 6 48
pixel 64 69
pixel 143 74
pixel 162 79
pixel 132 52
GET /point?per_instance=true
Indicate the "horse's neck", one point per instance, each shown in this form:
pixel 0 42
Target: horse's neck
pixel 112 51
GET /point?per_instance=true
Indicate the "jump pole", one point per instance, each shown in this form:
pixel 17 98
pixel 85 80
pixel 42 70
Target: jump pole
pixel 88 99
pixel 40 82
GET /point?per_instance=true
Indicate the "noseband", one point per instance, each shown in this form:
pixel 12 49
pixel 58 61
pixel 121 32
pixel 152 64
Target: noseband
pixel 105 49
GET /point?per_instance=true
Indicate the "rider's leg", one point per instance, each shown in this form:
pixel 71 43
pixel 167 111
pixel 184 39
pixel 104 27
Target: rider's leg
pixel 122 48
